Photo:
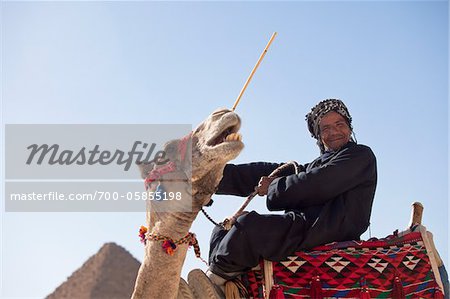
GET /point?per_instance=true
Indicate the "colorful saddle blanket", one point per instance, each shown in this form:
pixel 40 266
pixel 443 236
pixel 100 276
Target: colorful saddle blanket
pixel 394 267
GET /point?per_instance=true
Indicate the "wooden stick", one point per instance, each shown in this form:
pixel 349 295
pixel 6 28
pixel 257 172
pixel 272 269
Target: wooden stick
pixel 253 71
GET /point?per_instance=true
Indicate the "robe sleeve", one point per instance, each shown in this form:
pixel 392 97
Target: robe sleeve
pixel 241 180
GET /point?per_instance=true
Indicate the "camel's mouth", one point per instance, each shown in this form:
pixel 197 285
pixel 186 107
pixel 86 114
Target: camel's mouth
pixel 227 135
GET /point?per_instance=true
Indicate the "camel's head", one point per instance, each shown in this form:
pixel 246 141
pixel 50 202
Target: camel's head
pixel 201 157
pixel 215 142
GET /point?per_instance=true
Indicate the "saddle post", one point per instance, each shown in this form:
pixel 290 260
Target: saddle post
pixel 416 214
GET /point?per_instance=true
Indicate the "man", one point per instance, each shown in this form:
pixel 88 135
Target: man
pixel 329 200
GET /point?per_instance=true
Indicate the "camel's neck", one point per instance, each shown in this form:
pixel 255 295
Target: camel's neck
pixel 174 225
pixel 159 274
pixel 177 224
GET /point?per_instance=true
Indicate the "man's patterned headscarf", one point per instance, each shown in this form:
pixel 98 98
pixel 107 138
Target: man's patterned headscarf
pixel 314 117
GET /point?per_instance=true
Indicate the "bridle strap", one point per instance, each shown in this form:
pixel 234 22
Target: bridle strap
pixel 157 173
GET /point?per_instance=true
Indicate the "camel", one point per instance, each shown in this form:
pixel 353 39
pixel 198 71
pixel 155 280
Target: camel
pixel 208 148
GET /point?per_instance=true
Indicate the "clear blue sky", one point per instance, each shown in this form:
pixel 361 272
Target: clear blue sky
pixel 175 62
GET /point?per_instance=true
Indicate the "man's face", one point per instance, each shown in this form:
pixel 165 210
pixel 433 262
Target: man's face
pixel 334 131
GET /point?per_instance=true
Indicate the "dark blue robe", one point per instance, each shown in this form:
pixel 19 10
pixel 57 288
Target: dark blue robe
pixel 329 200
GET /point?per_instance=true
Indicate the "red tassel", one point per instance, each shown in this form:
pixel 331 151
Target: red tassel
pixel 316 288
pixel 142 232
pixel 276 292
pixel 169 247
pixel 397 289
pixel 438 294
pixel 364 294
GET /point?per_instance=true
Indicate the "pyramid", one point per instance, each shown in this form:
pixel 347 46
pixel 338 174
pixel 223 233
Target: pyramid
pixel 110 273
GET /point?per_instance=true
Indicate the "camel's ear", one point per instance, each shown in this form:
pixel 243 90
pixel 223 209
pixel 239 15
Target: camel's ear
pixel 145 168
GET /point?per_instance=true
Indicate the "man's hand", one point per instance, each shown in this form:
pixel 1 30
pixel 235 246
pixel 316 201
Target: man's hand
pixel 263 185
